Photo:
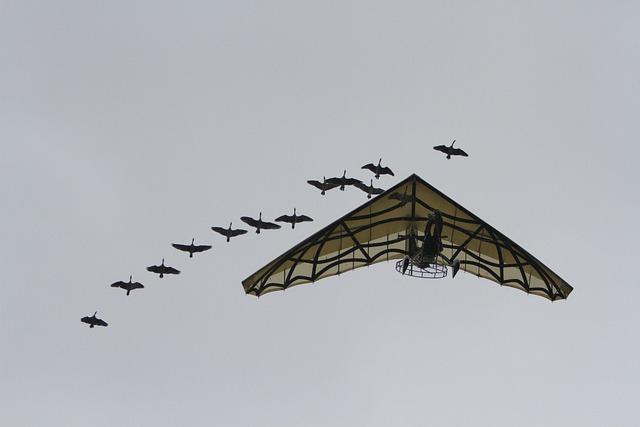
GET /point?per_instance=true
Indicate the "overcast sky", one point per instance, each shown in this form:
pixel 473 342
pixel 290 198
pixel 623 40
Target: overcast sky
pixel 128 125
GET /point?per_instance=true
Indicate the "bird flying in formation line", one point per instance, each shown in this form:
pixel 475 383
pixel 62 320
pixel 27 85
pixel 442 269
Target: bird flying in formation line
pixel 323 186
pixel 191 248
pixel 293 219
pixel 128 286
pixel 343 181
pixel 450 150
pixel 162 269
pixel 378 169
pixel 369 189
pixel 259 224
pixel 229 232
pixel 93 321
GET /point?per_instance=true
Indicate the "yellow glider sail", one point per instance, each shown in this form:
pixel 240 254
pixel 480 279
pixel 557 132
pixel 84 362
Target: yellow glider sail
pixel 379 230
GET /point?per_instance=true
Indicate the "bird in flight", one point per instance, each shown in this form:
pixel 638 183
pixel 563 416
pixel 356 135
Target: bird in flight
pixel 259 224
pixel 93 321
pixel 128 286
pixel 322 186
pixel 229 232
pixel 369 189
pixel 191 248
pixel 343 181
pixel 378 169
pixel 293 219
pixel 162 269
pixel 450 151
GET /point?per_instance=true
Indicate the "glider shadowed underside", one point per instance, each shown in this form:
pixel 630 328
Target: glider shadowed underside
pixel 381 230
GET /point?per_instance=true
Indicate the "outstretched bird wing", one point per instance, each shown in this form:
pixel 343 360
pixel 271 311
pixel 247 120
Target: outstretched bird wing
pixel 185 248
pixel 369 166
pixel 201 248
pixel 86 319
pixel 335 181
pixel 269 225
pixel 118 284
pixel 386 171
pixel 285 218
pixel 442 148
pixel 370 189
pixel 221 230
pixel 237 232
pixel 326 186
pixel 249 221
pixel 101 322
pixel 375 190
pixel 170 270
pixel 136 285
pixel 315 183
pixel 304 218
pixel 154 269
pixel 352 181
pixel 361 185
pixel 459 152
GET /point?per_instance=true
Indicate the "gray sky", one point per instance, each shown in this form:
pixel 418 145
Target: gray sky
pixel 126 126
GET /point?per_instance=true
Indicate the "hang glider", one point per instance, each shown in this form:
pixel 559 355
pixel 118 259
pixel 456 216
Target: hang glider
pixel 387 228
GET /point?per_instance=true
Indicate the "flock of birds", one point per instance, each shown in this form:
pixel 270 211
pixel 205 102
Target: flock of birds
pixel 259 224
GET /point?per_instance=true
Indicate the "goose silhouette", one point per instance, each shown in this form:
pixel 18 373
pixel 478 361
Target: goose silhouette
pixel 128 286
pixel 343 181
pixel 450 151
pixel 322 186
pixel 369 189
pixel 93 321
pixel 259 224
pixel 162 269
pixel 293 219
pixel 229 232
pixel 378 169
pixel 191 248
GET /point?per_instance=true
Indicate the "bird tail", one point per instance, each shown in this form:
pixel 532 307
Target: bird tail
pixel 128 291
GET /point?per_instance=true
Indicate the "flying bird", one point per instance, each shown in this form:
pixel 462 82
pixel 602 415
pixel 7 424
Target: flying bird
pixel 322 186
pixel 369 189
pixel 450 151
pixel 162 269
pixel 93 321
pixel 343 181
pixel 128 286
pixel 378 169
pixel 191 248
pixel 229 232
pixel 259 224
pixel 293 219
